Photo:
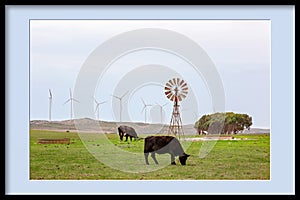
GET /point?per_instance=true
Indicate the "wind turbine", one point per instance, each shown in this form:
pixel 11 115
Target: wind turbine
pixel 161 107
pixel 50 104
pixel 71 99
pixel 145 108
pixel 97 107
pixel 120 99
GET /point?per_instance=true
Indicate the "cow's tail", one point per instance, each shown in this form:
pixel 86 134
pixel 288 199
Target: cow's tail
pixel 139 138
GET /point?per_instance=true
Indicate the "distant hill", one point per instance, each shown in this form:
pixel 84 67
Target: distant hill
pixel 91 125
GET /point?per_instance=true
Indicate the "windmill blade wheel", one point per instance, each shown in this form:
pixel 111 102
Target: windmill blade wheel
pixel 176 89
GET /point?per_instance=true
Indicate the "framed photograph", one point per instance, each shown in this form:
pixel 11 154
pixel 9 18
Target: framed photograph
pixel 150 100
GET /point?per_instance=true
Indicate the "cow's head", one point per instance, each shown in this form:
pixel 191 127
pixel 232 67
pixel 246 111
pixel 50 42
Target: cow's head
pixel 183 158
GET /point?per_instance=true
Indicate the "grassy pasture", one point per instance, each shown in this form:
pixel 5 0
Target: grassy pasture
pixel 247 159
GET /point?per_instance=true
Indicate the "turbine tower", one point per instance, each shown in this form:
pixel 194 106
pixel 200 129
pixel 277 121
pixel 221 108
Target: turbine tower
pixel 97 107
pixel 120 99
pixel 71 99
pixel 50 104
pixel 145 108
pixel 161 109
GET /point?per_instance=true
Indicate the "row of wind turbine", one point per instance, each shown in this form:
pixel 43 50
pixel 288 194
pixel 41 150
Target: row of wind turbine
pixel 71 100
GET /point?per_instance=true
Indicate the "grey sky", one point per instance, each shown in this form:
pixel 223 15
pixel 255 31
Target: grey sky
pixel 240 50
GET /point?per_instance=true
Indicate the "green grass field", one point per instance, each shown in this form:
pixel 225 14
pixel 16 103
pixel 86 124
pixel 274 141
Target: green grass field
pixel 228 160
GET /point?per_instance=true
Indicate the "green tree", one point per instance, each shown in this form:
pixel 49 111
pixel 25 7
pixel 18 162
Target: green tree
pixel 224 123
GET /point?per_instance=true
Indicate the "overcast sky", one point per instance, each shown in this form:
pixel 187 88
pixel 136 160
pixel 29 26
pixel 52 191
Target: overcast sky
pixel 239 49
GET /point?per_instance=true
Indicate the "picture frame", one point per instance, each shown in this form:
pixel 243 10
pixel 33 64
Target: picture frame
pixel 282 93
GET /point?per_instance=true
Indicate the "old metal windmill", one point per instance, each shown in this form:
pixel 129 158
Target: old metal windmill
pixel 176 90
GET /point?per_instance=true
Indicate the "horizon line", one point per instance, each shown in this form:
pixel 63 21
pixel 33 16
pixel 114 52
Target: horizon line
pixel 124 122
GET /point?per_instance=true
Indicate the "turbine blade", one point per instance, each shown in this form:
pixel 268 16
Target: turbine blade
pixel 115 96
pixel 143 101
pixel 50 93
pixel 75 100
pixel 70 93
pixel 102 102
pixel 165 104
pixel 184 85
pixel 143 109
pixel 67 101
pixel 124 94
pixel 171 83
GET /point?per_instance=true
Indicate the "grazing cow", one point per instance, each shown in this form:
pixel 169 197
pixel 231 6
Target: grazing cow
pixel 164 144
pixel 127 131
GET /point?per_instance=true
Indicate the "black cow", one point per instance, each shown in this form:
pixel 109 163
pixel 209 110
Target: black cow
pixel 127 131
pixel 164 144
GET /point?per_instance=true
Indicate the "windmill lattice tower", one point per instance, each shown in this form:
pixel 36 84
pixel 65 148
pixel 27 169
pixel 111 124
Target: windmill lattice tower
pixel 176 90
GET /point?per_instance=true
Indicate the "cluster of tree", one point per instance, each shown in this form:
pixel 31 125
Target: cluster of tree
pixel 223 123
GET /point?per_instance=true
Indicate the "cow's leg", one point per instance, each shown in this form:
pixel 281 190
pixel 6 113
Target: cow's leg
pixel 126 137
pixel 153 157
pixel 130 138
pixel 146 158
pixel 120 134
pixel 173 160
